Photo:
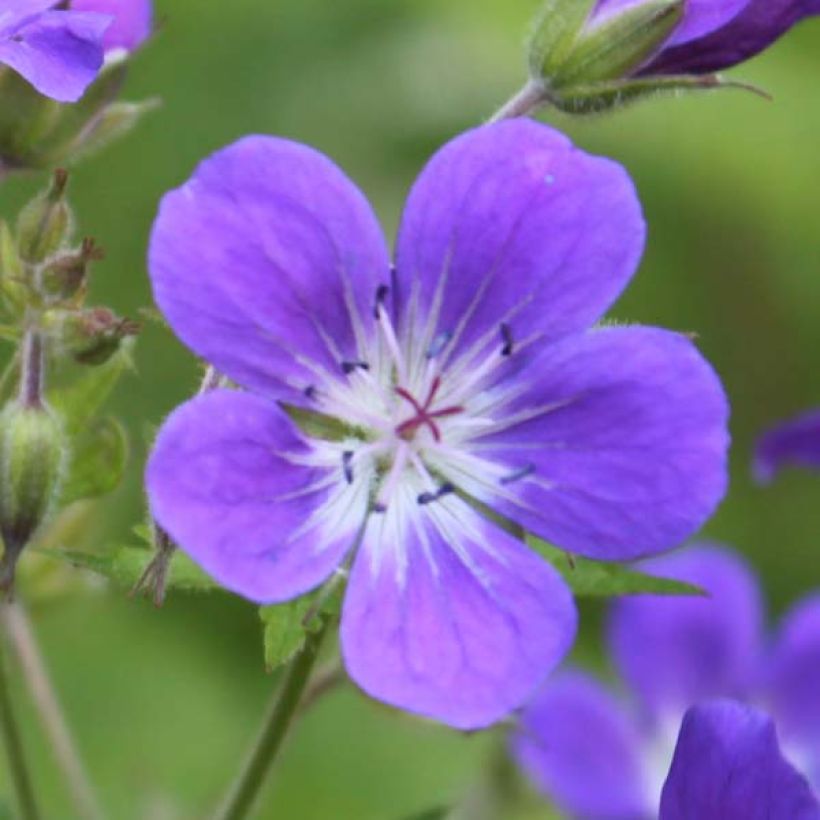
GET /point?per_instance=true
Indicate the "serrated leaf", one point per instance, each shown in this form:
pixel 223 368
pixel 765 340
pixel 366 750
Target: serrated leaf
pixel 285 627
pixel 80 402
pixel 98 460
pixel 594 579
pixel 125 566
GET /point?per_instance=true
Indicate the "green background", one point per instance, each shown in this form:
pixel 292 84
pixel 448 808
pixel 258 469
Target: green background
pixel 165 701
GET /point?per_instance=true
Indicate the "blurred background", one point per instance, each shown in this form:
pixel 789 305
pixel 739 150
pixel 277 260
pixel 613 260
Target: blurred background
pixel 164 702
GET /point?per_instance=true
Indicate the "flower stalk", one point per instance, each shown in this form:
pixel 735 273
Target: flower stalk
pixel 268 744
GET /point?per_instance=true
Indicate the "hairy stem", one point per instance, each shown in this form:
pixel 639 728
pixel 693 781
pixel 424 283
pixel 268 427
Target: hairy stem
pixel 21 636
pixel 269 742
pixel 526 101
pixel 31 369
pixel 18 771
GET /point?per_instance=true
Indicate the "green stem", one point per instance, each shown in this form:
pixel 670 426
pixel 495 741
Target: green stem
pixel 14 752
pixel 269 742
pixel 525 102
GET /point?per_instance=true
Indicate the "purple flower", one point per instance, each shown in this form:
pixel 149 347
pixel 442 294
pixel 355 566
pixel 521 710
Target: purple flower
pixel 728 765
pixel 58 52
pixel 717 34
pixel 793 442
pixel 469 368
pixel 672 653
pixel 132 21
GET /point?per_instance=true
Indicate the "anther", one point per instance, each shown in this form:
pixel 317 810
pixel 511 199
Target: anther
pixel 379 507
pixel 439 343
pixel 381 295
pixel 350 367
pixel 347 465
pixel 525 471
pixel 507 338
pixel 310 391
pixel 429 498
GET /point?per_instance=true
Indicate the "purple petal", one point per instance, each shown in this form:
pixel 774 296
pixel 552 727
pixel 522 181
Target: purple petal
pixel 675 651
pixel 794 442
pixel 266 261
pixel 449 617
pixel 58 52
pixel 132 21
pixel 794 677
pixel 746 34
pixel 226 481
pixel 728 766
pixel 582 750
pixel 509 223
pixel 619 438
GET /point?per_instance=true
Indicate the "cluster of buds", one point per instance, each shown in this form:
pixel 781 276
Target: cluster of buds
pixel 43 287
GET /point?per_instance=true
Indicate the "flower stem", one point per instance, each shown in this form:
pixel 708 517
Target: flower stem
pixel 31 369
pixel 269 742
pixel 21 635
pixel 526 101
pixel 14 752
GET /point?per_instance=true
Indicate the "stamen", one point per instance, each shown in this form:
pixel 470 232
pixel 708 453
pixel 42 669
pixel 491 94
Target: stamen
pixel 388 488
pixel 439 343
pixel 381 295
pixel 386 325
pixel 350 367
pixel 310 391
pixel 525 471
pixel 507 338
pixel 347 465
pixel 429 498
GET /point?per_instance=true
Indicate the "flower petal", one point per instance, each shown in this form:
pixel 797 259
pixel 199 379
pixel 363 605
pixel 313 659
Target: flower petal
pixel 611 444
pixel 675 651
pixel 794 678
pixel 58 52
pixel 449 617
pixel 793 442
pixel 728 766
pixel 743 35
pixel 132 23
pixel 226 482
pixel 264 263
pixel 582 750
pixel 509 223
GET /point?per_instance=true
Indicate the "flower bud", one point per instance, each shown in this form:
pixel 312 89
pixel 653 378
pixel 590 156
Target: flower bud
pixel 13 289
pixel 64 277
pixel 32 456
pixel 46 222
pixel 91 336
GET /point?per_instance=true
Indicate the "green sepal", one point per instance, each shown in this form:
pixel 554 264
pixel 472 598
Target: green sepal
pixel 13 291
pixel 613 49
pixel 555 33
pixel 319 425
pixel 596 579
pixel 285 627
pixel 125 565
pixel 46 223
pixel 98 460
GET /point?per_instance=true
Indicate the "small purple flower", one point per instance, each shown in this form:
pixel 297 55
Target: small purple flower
pixel 673 653
pixel 58 52
pixel 795 442
pixel 717 34
pixel 132 21
pixel 728 765
pixel 468 368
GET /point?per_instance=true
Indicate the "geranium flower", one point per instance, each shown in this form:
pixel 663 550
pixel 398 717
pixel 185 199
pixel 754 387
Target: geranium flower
pixel 132 21
pixel 601 756
pixel 469 369
pixel 795 442
pixel 58 52
pixel 716 34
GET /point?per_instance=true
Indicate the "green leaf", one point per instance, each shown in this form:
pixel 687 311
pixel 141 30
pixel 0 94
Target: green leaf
pixel 125 566
pixel 594 579
pixel 97 463
pixel 286 626
pixel 438 813
pixel 80 402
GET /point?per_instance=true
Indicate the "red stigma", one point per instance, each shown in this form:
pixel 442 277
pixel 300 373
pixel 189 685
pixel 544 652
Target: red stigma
pixel 424 416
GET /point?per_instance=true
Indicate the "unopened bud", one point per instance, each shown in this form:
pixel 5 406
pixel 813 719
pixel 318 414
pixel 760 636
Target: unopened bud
pixel 64 277
pixel 32 455
pixel 93 335
pixel 46 222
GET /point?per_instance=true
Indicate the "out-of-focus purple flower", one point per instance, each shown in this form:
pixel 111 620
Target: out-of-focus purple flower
pixel 795 442
pixel 471 365
pixel 728 765
pixel 716 34
pixel 132 21
pixel 673 653
pixel 58 52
